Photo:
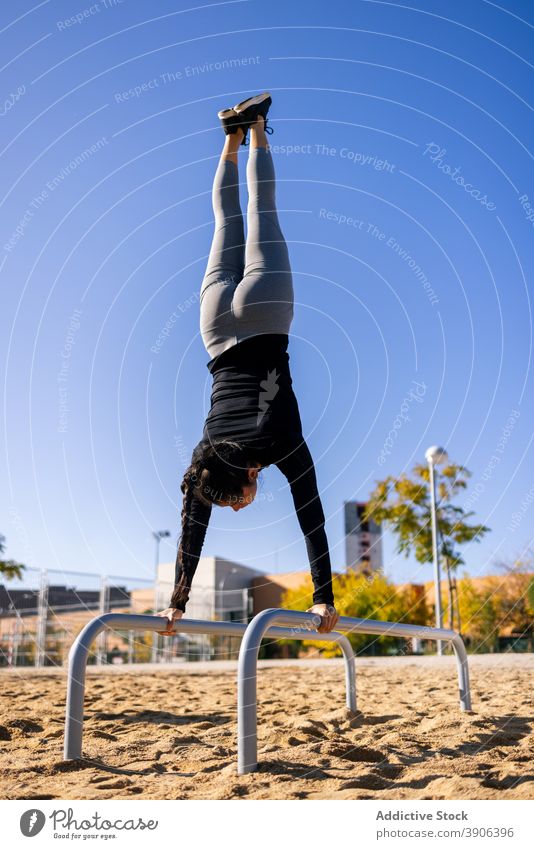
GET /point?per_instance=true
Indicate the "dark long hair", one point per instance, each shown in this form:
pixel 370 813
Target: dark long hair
pixel 218 472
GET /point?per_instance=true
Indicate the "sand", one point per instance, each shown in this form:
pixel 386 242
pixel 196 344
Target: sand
pixel 170 732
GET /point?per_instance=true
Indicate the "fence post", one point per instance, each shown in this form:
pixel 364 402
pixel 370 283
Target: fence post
pixel 42 617
pixel 101 654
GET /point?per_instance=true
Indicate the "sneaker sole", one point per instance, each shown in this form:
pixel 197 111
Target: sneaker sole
pixel 251 101
pixel 225 113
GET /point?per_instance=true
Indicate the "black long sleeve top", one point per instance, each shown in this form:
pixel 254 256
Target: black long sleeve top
pixel 253 403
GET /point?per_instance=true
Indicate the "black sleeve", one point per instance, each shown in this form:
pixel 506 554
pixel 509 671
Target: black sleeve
pixel 198 520
pixel 299 470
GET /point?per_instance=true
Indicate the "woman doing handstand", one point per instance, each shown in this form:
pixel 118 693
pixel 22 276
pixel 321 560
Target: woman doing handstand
pixel 246 309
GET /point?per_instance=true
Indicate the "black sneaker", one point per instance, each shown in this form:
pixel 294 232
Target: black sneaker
pixel 249 109
pixel 230 121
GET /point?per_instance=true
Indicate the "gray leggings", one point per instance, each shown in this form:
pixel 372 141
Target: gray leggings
pixel 247 288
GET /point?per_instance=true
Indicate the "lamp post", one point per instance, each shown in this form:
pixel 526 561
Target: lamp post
pixel 158 536
pixel 433 456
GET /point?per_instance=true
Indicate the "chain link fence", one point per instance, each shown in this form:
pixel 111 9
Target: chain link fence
pixel 41 615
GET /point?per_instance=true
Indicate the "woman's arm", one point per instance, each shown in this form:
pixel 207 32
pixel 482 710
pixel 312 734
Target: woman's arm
pixel 194 529
pixel 299 470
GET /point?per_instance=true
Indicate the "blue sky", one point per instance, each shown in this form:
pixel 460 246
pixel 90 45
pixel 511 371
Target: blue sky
pixel 401 144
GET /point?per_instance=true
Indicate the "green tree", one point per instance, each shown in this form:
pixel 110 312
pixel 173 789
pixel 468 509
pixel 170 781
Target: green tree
pixel 516 595
pixel 530 596
pixel 9 568
pixel 479 608
pixel 404 504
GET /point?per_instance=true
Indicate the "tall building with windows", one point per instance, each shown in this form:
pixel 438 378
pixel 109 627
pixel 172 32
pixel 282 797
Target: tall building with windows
pixel 363 539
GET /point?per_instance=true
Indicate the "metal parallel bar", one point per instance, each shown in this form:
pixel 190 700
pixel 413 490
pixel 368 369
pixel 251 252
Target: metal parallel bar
pixel 79 651
pixel 350 625
pixel 247 758
pixel 298 625
pixel 462 666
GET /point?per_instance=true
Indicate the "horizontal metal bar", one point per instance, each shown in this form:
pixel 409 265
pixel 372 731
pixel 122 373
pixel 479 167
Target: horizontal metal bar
pixel 146 622
pixel 352 625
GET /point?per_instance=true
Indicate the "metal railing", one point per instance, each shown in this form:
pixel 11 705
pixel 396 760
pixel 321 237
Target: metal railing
pixel 79 651
pixel 247 746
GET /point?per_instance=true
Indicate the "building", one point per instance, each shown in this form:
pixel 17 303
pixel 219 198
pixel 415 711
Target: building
pixel 268 590
pixel 25 602
pixel 41 634
pixel 221 589
pixel 363 539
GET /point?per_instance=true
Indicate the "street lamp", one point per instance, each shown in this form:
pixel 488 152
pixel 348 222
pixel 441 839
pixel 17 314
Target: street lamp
pixel 158 536
pixel 433 456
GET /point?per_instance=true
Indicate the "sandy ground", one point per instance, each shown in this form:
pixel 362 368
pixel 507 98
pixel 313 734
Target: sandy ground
pixel 170 732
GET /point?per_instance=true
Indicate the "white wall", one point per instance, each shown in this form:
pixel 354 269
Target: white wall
pixel 217 586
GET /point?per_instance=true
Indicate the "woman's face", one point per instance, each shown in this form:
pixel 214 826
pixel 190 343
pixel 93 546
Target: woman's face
pixel 248 493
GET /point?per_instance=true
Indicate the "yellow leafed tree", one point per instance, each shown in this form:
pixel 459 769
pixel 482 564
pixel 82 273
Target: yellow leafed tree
pixel 365 596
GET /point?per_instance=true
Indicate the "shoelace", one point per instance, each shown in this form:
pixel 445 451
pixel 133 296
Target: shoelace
pixel 267 129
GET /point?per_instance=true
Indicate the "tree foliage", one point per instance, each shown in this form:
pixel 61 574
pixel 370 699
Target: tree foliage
pixel 9 568
pixel 404 504
pixel 367 597
pixel 479 611
pixel 530 596
pixel 515 593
